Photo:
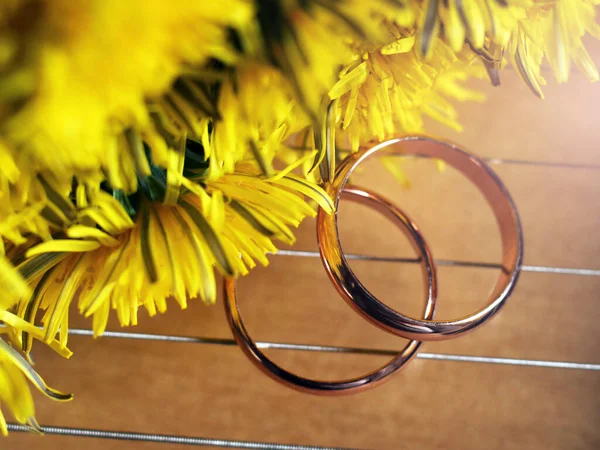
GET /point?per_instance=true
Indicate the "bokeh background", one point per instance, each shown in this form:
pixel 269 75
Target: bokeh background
pixel 213 391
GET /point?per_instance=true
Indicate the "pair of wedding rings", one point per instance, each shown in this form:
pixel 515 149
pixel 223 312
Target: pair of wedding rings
pixel 359 297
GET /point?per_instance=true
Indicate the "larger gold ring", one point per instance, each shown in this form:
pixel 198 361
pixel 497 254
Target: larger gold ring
pixel 366 304
pixel 267 366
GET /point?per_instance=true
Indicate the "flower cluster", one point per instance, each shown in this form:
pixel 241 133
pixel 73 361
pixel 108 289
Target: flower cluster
pixel 145 145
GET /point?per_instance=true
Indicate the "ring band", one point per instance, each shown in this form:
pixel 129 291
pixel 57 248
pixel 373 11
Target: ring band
pixel 348 386
pixel 365 303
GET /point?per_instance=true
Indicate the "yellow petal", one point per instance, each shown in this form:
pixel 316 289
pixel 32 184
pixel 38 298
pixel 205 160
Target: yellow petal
pixel 349 81
pixel 402 45
pixel 62 245
pixel 83 232
pixel 15 358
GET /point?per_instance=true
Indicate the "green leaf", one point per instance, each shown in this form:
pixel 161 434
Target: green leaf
pixel 153 187
pixel 125 202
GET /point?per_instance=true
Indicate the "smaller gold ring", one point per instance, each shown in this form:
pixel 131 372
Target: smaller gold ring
pixel 352 385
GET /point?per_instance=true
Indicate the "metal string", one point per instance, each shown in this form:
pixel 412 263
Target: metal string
pixel 203 442
pixel 340 349
pixel 449 262
pixel 168 439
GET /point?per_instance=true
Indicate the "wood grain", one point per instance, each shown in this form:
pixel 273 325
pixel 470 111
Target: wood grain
pixel 213 391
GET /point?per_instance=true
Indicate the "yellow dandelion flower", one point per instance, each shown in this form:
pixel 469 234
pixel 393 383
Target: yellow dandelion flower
pixel 258 112
pixel 554 30
pixel 170 251
pixel 475 22
pixel 383 93
pixel 248 113
pixel 80 72
pixel 309 40
pixel 15 371
pixel 525 30
pixel 140 141
pixel 45 228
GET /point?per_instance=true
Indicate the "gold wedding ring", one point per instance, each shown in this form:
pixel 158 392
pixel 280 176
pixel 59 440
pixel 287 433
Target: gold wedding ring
pixel 266 365
pixel 365 303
